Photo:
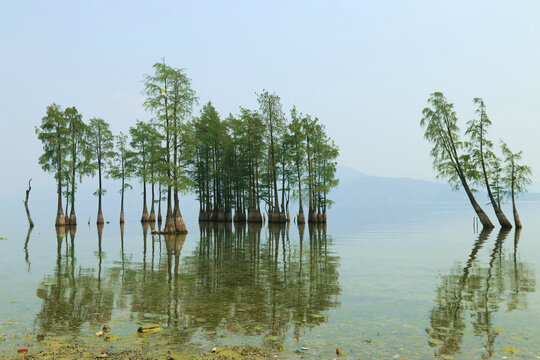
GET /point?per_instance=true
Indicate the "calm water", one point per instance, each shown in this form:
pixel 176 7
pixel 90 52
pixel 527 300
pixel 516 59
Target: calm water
pixel 388 280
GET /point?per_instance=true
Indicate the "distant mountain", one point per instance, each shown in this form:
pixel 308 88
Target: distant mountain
pixel 357 187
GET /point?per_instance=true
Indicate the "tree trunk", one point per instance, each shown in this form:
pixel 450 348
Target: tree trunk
pixel 159 206
pixel 484 219
pixel 503 221
pixel 67 202
pixel 180 226
pixel 122 203
pixel 169 218
pixel 72 217
pixel 517 221
pixel 144 217
pixel 100 213
pixel 60 219
pixel 301 218
pixel 152 217
pixel 30 222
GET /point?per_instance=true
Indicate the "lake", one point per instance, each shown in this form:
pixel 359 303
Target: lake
pixel 408 281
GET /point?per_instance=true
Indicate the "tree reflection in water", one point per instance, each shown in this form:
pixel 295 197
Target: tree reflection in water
pixel 479 291
pixel 73 296
pixel 249 281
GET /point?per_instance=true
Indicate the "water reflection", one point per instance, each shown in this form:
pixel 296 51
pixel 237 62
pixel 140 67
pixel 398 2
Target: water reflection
pixel 26 257
pixel 251 281
pixel 73 296
pixel 475 293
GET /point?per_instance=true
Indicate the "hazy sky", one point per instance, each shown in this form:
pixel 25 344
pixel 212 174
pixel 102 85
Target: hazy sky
pixel 364 68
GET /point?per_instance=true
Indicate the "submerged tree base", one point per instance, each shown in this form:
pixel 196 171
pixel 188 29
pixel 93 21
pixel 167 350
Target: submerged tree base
pixel 60 220
pixel 100 219
pixel 254 216
pixel 277 217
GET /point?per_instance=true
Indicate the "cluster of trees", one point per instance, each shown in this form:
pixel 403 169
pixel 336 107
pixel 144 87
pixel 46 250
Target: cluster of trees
pixel 472 163
pixel 259 157
pixel 73 149
pixel 235 163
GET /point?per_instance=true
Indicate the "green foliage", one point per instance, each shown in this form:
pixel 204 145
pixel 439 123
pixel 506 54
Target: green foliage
pixel 170 98
pixel 79 160
pixel 122 164
pixel 54 136
pixel 274 121
pixel 516 176
pixel 101 143
pixel 441 129
pixel 235 162
pixel 479 147
pixel 141 137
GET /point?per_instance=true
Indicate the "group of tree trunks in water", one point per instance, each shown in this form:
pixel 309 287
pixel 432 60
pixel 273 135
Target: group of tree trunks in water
pixel 236 163
pixel 259 158
pixel 473 162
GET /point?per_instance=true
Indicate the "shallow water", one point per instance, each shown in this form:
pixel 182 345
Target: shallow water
pixel 410 280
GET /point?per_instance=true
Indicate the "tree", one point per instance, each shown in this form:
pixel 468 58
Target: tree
pixel 121 167
pixel 495 174
pixel 79 159
pixel 140 144
pixel 516 177
pixel 170 98
pixel 54 134
pixel 30 222
pixel 297 138
pixel 441 129
pixel 273 118
pixel 254 151
pixel 312 132
pixel 101 142
pixel 155 166
pixel 327 173
pixel 481 155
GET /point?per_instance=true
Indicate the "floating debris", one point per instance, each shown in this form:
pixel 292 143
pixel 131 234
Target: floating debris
pixel 149 329
pixel 435 341
pixel 509 349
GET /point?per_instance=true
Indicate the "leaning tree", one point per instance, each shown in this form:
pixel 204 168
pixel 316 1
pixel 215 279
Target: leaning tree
pixel 441 129
pixel 482 157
